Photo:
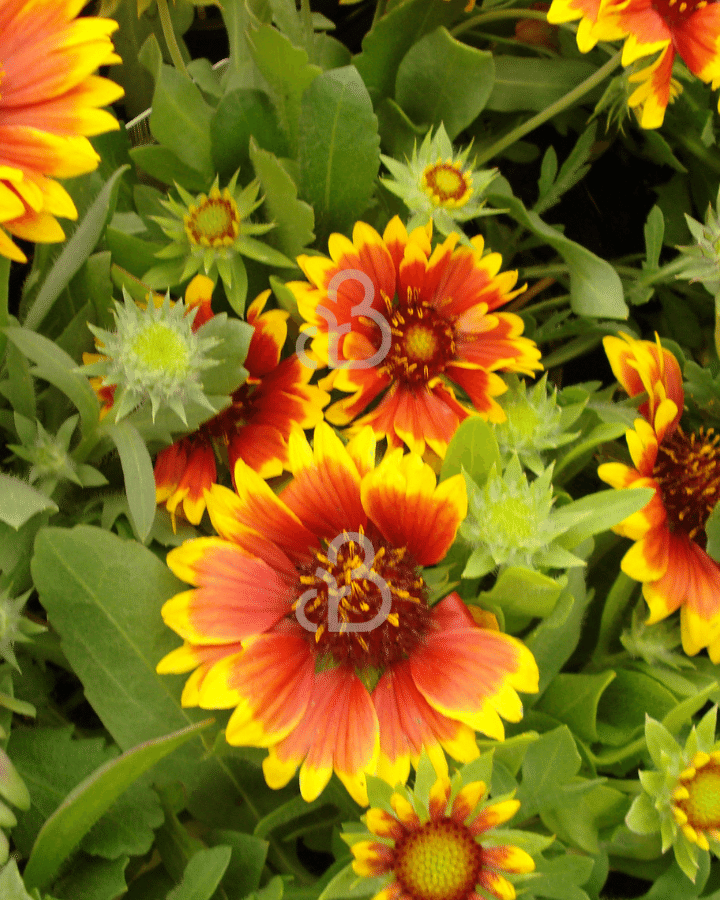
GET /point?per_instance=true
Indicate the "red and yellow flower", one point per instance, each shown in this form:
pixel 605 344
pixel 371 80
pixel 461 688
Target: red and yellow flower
pixel 443 855
pixel 344 664
pixel 593 26
pixel 49 105
pixel 428 319
pixel 255 427
pixel 668 555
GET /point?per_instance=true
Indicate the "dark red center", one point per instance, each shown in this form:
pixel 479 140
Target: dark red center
pixel 675 12
pixel 423 343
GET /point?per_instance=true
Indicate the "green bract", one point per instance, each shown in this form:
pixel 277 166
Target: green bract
pixel 153 355
pixel 439 184
pixel 681 798
pixel 703 257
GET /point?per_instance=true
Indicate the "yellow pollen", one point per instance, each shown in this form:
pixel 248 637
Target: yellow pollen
pixel 420 343
pixel 701 808
pixel 438 861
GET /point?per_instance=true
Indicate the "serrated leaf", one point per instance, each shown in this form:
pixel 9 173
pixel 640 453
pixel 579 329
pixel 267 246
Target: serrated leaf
pixel 293 218
pixel 87 802
pixel 19 502
pixel 138 475
pixel 426 86
pixel 338 149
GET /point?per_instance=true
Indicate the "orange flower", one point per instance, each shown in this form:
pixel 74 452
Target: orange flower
pixel 668 555
pixel 344 663
pixel 48 106
pixel 255 427
pixel 689 29
pixel 593 26
pixel 428 318
pixel 439 856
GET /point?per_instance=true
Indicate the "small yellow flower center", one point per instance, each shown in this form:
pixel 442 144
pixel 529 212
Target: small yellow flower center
pixel 447 185
pixel 214 221
pixel 423 342
pixel 356 578
pixel 702 807
pixel 688 471
pixel 439 861
pixel 162 350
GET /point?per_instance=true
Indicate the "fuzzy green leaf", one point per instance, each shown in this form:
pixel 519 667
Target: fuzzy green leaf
pixel 138 474
pixel 19 502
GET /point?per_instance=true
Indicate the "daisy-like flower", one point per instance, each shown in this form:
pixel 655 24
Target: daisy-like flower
pixel 668 555
pixel 212 232
pixel 442 848
pixel 49 105
pixel 343 663
pixel 438 184
pixel 401 322
pixel 255 428
pixel 681 798
pixel 593 26
pixel 689 29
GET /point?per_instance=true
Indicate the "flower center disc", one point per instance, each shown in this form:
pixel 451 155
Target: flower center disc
pixel 422 345
pixel 703 805
pixel 354 591
pixel 439 861
pixel 674 12
pixel 160 349
pixel 214 222
pixel 688 471
pixel 446 185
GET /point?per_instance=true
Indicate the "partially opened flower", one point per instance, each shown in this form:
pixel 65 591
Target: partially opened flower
pixel 668 555
pixel 689 29
pixel 446 853
pixel 211 233
pixel 343 664
pixel 49 104
pixel 681 797
pixel 439 184
pixel 275 397
pixel 402 323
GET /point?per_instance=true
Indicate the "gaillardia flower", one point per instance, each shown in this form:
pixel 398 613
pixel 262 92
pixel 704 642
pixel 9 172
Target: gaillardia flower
pixel 400 321
pixel 49 104
pixel 255 427
pixel 438 184
pixel 441 854
pixel 689 29
pixel 592 18
pixel 683 469
pixel 212 232
pixel 681 799
pixel 344 665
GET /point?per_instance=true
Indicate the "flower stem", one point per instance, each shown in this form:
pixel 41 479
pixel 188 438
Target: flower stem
pixel 170 38
pixel 495 16
pixel 546 114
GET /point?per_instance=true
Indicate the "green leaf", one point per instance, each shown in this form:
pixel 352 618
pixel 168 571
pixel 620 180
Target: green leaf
pixel 595 286
pixel 398 135
pixel 11 884
pixel 128 827
pixel 573 169
pixel 473 448
pixel 246 865
pixel 76 250
pixel 179 109
pixel 654 232
pixel 573 699
pixel 55 366
pixel 522 592
pixel 427 82
pixel 202 874
pixel 93 879
pixel 626 702
pixel 712 529
pixel 559 878
pixel 138 475
pixel 103 597
pixel 347 884
pixel 549 763
pixel 524 83
pixel 240 115
pixel 287 72
pixel 392 36
pixel 598 512
pixel 338 149
pixel 294 219
pixel 64 830
pixel 19 502
pixel 165 166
